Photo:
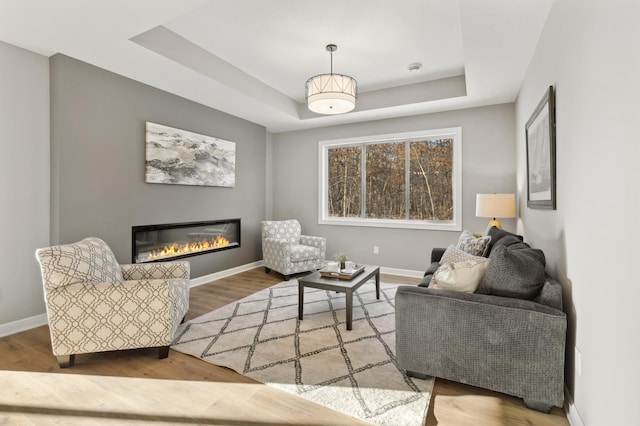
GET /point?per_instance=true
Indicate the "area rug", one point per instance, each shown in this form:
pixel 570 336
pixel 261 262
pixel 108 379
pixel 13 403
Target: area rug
pixel 353 372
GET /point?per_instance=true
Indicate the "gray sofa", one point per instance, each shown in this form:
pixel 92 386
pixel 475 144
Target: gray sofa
pixel 507 344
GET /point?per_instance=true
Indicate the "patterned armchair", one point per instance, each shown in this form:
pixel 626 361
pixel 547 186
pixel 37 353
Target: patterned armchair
pixel 94 304
pixel 286 250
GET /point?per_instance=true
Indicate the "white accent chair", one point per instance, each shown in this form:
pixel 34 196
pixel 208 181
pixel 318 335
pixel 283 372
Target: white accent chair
pixel 287 251
pixel 94 304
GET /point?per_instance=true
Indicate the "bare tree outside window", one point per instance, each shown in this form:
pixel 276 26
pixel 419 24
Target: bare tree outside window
pixel 431 174
pixel 345 181
pixel 385 181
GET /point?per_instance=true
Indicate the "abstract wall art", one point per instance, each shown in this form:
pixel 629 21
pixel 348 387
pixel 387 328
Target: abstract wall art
pixel 180 157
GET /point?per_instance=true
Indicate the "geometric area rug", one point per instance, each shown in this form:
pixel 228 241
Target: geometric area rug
pixel 353 372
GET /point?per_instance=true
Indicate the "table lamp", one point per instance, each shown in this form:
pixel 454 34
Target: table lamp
pixel 494 206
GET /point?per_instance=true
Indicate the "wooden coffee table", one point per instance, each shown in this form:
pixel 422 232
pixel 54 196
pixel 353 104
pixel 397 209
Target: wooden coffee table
pixel 315 280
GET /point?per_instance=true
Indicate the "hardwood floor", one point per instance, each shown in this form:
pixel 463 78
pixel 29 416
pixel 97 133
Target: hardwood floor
pixel 135 387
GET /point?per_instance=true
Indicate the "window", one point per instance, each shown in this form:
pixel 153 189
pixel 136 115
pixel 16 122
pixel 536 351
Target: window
pixel 405 180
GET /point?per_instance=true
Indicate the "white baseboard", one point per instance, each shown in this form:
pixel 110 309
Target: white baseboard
pixel 22 325
pixel 573 416
pixel 226 273
pixel 402 272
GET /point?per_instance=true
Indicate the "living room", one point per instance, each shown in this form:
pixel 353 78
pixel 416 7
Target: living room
pixel 79 131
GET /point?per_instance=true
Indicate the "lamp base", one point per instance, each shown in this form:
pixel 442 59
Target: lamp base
pixel 493 222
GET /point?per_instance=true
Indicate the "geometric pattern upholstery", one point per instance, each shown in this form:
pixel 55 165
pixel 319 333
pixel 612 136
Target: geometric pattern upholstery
pixel 94 304
pixel 286 250
pixel 89 260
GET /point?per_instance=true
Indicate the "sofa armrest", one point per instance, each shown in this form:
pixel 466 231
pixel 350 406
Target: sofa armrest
pixel 158 270
pixel 550 294
pixel 436 254
pixel 508 345
pixel 309 240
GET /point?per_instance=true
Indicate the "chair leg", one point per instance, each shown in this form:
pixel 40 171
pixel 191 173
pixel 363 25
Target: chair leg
pixel 537 405
pixel 416 375
pixel 163 352
pixel 66 361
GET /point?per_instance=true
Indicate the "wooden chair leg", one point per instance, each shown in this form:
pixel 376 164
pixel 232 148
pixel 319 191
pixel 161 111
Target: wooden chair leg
pixel 163 352
pixel 66 361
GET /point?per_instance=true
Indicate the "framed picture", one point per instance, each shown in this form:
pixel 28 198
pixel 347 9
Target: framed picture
pixel 180 157
pixel 541 154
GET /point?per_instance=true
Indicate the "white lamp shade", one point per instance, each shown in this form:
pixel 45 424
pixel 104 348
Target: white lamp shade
pixel 331 93
pixel 496 205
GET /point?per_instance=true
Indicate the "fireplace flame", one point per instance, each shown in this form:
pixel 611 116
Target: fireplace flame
pixel 176 249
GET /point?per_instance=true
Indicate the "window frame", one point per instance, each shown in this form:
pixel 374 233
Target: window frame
pixel 455 224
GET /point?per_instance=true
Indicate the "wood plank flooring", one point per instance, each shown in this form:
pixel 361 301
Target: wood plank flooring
pixel 135 387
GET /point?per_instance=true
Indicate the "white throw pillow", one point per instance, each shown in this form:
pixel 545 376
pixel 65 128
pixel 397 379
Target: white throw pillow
pixel 460 276
pixel 472 245
pixel 453 255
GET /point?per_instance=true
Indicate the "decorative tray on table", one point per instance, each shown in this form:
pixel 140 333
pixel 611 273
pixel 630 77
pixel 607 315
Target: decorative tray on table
pixel 344 274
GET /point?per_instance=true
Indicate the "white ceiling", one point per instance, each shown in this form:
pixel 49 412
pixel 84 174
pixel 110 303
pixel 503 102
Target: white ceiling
pixel 251 58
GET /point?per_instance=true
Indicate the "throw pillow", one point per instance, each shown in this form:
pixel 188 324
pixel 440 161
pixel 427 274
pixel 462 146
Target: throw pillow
pixel 453 254
pixel 460 276
pixel 507 241
pixel 514 272
pixel 472 245
pixel 497 234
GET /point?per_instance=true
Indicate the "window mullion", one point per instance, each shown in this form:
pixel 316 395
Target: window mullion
pixel 363 182
pixel 407 178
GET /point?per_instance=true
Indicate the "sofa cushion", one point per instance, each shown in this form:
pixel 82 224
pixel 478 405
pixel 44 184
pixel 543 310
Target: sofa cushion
pixel 514 271
pixel 432 269
pixel 472 245
pixel 497 234
pixel 426 279
pixel 460 276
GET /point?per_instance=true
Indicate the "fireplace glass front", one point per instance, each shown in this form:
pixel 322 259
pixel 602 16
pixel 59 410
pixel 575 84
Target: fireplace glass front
pixel 154 243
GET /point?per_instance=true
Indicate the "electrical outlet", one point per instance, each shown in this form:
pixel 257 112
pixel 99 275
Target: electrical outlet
pixel 578 362
pixel 376 250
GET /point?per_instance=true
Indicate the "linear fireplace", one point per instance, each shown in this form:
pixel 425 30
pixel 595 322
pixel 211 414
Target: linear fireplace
pixel 171 241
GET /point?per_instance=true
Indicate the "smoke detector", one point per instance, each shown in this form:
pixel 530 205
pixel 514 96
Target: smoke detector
pixel 414 67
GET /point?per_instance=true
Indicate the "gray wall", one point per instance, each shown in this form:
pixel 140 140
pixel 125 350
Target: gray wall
pixel 24 179
pixel 589 51
pixel 488 165
pixel 97 161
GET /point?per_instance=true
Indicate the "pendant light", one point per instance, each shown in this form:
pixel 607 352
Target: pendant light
pixel 331 93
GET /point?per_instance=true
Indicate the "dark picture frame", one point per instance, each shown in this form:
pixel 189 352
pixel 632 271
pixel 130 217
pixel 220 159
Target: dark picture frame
pixel 541 154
